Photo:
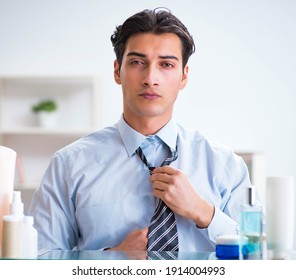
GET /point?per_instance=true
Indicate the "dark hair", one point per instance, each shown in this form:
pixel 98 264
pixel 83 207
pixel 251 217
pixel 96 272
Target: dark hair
pixel 156 21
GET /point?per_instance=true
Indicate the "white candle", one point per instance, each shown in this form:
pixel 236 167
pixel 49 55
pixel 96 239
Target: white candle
pixel 7 172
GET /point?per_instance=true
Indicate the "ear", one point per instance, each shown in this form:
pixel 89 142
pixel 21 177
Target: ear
pixel 184 78
pixel 117 72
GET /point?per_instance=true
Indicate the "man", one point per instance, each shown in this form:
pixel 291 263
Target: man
pixel 100 193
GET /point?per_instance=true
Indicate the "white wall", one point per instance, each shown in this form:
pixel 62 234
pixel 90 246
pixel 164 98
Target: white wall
pixel 242 89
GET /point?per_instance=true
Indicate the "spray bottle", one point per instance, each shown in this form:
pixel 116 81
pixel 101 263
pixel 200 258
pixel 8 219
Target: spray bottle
pixel 251 227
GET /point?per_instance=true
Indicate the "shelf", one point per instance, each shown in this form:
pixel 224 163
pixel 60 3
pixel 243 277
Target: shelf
pixel 45 131
pixel 26 186
pixel 79 101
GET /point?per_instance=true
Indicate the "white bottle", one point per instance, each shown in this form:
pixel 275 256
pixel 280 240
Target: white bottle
pixel 12 229
pixel 30 239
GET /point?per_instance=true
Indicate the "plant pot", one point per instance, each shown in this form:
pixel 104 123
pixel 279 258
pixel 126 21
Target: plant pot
pixel 47 119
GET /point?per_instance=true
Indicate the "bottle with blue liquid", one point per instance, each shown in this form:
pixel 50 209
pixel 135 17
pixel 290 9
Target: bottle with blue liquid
pixel 251 228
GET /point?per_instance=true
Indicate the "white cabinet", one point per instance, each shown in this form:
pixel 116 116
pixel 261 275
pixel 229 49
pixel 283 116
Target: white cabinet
pixel 79 102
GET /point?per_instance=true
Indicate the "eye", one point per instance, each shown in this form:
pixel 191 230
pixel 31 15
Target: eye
pixel 167 65
pixel 136 62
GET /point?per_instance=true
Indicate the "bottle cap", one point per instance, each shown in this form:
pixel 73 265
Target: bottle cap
pixel 16 206
pixel 251 195
pixel 228 239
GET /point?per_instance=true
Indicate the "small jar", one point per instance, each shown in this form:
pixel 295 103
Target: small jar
pixel 227 247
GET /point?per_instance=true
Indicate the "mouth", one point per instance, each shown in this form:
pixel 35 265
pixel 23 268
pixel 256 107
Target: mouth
pixel 149 95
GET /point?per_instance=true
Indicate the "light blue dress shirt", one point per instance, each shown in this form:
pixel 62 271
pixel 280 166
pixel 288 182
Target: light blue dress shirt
pixel 97 190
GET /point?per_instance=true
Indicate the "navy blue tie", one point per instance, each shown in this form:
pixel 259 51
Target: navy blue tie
pixel 162 232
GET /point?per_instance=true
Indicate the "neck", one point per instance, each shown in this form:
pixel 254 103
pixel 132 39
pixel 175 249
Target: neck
pixel 146 126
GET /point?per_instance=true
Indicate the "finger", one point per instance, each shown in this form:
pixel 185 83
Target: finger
pixel 165 169
pixel 161 177
pixel 145 231
pixel 141 231
pixel 158 193
pixel 164 196
pixel 161 186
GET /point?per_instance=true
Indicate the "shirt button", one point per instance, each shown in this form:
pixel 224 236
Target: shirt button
pixel 147 198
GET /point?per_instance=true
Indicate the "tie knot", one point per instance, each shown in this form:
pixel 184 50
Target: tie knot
pixel 173 155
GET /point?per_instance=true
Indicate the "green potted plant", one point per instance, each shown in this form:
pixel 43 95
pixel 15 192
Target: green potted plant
pixel 47 106
pixel 46 113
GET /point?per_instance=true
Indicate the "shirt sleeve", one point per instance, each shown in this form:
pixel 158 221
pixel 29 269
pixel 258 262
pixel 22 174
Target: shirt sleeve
pixel 232 183
pixel 53 210
pixel 221 224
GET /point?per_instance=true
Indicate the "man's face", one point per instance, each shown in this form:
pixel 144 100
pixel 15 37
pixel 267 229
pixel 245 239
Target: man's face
pixel 151 75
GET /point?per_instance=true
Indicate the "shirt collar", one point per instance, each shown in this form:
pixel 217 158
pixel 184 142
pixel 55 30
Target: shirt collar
pixel 133 139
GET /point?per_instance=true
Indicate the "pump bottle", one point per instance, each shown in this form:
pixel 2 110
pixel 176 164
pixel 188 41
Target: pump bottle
pixel 12 228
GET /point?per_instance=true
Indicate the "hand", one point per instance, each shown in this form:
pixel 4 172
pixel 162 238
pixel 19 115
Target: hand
pixel 175 189
pixel 135 241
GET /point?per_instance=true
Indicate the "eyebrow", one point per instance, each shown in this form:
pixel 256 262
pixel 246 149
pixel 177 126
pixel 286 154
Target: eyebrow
pixel 144 55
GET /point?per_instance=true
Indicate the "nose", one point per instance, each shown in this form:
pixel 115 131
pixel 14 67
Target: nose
pixel 151 76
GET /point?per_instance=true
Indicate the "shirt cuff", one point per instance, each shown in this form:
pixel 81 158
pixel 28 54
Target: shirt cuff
pixel 221 224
